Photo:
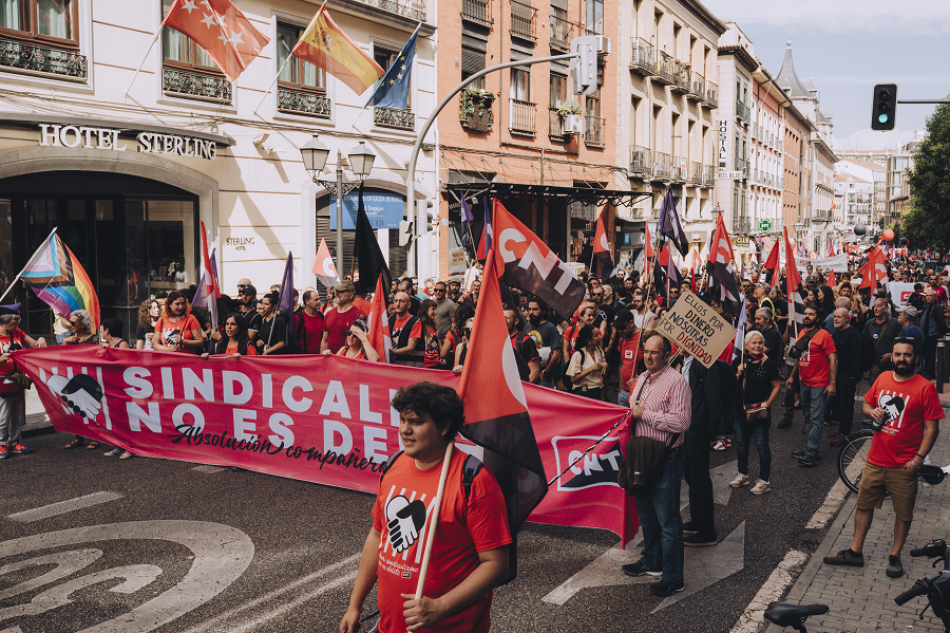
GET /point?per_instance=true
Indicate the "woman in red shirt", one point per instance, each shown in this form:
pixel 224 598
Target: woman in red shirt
pixel 235 342
pixel 178 330
pixel 12 398
pixel 357 344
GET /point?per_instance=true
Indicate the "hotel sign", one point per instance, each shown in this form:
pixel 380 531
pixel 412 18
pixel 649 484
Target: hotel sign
pixel 723 140
pixel 73 136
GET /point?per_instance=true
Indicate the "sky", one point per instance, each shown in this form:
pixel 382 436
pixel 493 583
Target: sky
pixel 848 46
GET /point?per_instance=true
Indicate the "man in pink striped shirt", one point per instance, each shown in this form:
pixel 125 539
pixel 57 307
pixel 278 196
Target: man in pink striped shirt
pixel 660 404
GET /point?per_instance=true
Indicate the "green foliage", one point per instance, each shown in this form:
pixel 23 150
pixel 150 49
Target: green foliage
pixel 570 106
pixel 927 221
pixel 475 101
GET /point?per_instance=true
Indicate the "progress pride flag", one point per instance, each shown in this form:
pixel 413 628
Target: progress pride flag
pixel 322 419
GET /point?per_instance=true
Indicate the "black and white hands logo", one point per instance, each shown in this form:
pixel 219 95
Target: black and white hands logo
pixel 893 406
pixel 81 393
pixel 405 520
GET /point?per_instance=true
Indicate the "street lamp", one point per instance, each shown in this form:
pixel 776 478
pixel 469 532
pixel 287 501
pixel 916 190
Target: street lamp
pixel 315 155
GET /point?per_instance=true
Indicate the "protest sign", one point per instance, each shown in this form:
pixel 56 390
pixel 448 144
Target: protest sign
pixel 322 419
pixel 457 257
pixel 900 291
pixel 694 326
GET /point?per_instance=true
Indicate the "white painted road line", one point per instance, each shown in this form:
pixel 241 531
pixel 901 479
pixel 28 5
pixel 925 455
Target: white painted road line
pixel 829 508
pixel 62 507
pixel 774 588
pixel 208 470
pixel 205 626
pixel 333 584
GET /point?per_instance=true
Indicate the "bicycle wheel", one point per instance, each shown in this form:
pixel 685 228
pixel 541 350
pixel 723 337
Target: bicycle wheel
pixel 852 457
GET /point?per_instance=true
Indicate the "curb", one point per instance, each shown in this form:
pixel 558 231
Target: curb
pixel 808 574
pixel 39 429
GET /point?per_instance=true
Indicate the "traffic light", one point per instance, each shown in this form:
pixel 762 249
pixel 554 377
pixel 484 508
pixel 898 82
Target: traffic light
pixel 425 217
pixel 405 232
pixel 884 110
pixel 584 68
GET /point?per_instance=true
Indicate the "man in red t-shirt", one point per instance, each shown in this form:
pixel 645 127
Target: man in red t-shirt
pixel 470 555
pixel 817 367
pixel 631 358
pixel 338 320
pixel 406 332
pixel 906 409
pixel 310 324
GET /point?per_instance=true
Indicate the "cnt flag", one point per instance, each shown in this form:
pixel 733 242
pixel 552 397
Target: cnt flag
pixel 324 268
pixel 326 46
pixel 221 30
pixel 378 334
pixel 602 248
pixel 496 412
pixel 773 264
pixel 793 283
pixel 722 282
pixel 393 90
pixel 527 263
pixel 58 279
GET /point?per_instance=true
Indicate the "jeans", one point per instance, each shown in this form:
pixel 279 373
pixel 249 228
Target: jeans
pixel 789 402
pixel 727 425
pixel 813 406
pixel 759 431
pixel 659 511
pixel 624 399
pixel 10 420
pixel 61 337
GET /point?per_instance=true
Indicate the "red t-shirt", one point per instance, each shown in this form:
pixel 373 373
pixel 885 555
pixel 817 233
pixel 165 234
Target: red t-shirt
pixel 365 306
pixel 184 326
pixel 431 342
pixel 233 349
pixel 6 342
pixel 628 351
pixel 310 335
pixel 907 405
pixel 466 527
pixel 813 366
pixel 337 325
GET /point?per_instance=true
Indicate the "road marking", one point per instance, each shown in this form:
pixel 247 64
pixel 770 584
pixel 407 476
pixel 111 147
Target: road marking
pixel 329 569
pixel 753 617
pixel 62 507
pixel 67 564
pixel 333 584
pixel 208 470
pixel 829 508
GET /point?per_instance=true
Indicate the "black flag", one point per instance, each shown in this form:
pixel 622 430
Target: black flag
pixel 367 253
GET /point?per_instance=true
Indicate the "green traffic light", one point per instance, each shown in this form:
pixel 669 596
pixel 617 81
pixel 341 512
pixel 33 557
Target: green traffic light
pixel 883 118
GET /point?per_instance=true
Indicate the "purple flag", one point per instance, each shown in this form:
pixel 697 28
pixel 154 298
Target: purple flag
pixel 285 302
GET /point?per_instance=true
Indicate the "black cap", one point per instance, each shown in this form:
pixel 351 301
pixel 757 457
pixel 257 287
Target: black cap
pixel 623 317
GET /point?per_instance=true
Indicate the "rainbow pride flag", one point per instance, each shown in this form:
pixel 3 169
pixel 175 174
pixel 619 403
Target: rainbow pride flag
pixel 58 279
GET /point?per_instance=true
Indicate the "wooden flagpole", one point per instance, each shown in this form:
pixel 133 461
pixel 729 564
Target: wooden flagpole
pixel 20 274
pixel 434 521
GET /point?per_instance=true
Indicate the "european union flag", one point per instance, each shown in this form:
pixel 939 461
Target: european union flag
pixel 393 90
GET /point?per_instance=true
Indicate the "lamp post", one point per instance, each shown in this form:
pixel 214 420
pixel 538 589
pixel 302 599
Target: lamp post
pixel 314 155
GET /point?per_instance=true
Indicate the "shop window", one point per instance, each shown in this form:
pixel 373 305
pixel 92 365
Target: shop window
pixel 49 22
pixel 301 87
pixel 187 69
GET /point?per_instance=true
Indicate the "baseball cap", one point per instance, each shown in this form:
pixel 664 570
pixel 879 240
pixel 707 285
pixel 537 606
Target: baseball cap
pixel 909 310
pixel 345 286
pixel 623 317
pixel 810 278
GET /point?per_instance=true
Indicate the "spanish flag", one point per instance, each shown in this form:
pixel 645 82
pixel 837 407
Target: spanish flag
pixel 326 46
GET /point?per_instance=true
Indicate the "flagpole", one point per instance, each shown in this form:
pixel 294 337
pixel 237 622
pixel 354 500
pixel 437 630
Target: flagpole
pixel 28 263
pixel 436 507
pixel 144 59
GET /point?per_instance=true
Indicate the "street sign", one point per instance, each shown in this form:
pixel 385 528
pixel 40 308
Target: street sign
pixel 765 225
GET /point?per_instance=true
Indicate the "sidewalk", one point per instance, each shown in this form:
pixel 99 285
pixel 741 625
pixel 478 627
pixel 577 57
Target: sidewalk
pixel 37 422
pixel 862 599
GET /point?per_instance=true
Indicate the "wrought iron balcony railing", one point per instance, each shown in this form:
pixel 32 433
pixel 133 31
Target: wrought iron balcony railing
pixel 683 73
pixel 478 11
pixel 698 87
pixel 641 161
pixel 562 32
pixel 177 82
pixel 643 60
pixel 523 20
pixel 303 103
pixel 665 68
pixel 677 172
pixel 415 9
pixel 709 175
pixel 661 166
pixel 712 95
pixel 522 116
pixel 37 59
pixel 391 117
pixel 695 173
pixel 594 131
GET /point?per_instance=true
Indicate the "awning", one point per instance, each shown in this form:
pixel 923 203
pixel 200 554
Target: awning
pixel 584 195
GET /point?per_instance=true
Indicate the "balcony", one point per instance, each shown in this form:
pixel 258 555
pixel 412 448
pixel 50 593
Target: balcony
pixel 523 20
pixel 665 69
pixel 681 83
pixel 179 83
pixel 712 95
pixel 522 117
pixel 709 175
pixel 695 173
pixel 477 11
pixel 643 60
pixel 415 9
pixel 562 32
pixel 697 87
pixel 641 161
pixel 594 131
pixel 822 216
pixel 30 58
pixel 391 117
pixel 661 166
pixel 677 172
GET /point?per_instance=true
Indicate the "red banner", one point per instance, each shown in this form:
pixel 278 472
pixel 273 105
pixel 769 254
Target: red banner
pixel 323 419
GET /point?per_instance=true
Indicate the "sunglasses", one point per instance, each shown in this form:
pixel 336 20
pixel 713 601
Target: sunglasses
pixel 74 323
pixel 349 334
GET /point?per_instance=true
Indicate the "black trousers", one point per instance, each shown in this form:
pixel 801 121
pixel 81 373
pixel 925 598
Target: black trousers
pixel 841 405
pixel 930 355
pixel 696 473
pixel 789 402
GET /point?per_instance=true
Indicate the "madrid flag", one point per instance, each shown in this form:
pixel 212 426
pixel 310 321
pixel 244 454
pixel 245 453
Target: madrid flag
pixel 221 29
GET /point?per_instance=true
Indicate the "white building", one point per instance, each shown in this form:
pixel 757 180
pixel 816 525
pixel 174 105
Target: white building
pixel 853 201
pixel 874 173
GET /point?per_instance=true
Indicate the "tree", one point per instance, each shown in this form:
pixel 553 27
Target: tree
pixel 927 221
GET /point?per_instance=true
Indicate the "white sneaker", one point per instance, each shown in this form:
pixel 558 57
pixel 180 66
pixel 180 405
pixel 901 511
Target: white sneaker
pixel 739 481
pixel 760 487
pixel 113 453
pixel 720 445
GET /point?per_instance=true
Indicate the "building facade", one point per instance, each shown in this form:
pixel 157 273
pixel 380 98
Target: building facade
pixel 898 164
pixel 854 198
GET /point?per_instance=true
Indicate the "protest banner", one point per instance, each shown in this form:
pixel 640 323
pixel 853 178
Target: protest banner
pixel 694 326
pixel 900 291
pixel 322 419
pixel 838 263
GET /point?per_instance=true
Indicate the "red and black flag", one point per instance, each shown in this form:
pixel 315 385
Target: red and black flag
pixel 496 411
pixel 602 249
pixel 527 263
pixel 722 281
pixel 773 264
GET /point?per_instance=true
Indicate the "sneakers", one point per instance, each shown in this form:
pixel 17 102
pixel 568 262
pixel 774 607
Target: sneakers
pixel 739 481
pixel 894 568
pixel 701 539
pixel 728 442
pixel 690 527
pixel 847 557
pixel 125 455
pixel 720 445
pixel 639 568
pixel 665 589
pixel 115 452
pixel 760 487
pixel 798 454
pixel 4 453
pixel 20 449
pixel 839 441
pixel 808 462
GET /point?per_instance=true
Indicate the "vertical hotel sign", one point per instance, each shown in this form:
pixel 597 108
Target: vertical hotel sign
pixel 723 140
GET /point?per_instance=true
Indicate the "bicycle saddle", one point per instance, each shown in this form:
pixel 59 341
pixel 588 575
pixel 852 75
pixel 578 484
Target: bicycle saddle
pixel 786 614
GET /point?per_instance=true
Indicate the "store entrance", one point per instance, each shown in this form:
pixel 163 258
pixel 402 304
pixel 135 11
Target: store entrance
pixel 136 238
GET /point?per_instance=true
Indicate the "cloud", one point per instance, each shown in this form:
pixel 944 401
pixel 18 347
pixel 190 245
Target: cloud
pixel 927 17
pixel 870 139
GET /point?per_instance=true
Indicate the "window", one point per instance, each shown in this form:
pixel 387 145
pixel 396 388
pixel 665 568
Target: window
pixel 595 17
pixel 558 90
pixel 520 84
pixel 53 21
pixel 473 61
pixel 180 51
pixel 297 74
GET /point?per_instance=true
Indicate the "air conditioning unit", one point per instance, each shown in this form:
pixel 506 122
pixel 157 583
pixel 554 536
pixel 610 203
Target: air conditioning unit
pixel 572 124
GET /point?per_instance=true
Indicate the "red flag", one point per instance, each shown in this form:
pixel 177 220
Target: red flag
pixel 720 252
pixel 647 241
pixel 773 263
pixel 874 270
pixel 379 334
pixel 831 279
pixel 602 248
pixel 209 279
pixel 496 412
pixel 792 277
pixel 221 30
pixel 664 257
pixel 722 282
pixel 692 280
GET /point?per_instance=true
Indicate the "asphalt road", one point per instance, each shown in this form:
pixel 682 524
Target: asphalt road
pixel 207 549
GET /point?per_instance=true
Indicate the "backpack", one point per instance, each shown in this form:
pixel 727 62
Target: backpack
pixel 728 385
pixel 470 469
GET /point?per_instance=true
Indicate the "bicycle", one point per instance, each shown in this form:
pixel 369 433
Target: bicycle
pixel 853 455
pixel 937 590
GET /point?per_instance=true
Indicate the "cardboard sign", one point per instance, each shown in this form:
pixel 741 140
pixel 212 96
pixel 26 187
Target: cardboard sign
pixel 458 257
pixel 695 327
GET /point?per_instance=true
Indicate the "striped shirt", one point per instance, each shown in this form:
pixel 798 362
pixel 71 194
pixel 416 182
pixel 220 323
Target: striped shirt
pixel 667 401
